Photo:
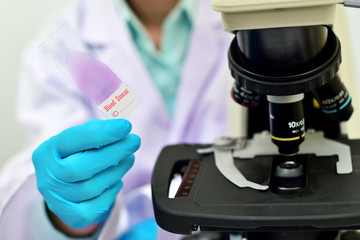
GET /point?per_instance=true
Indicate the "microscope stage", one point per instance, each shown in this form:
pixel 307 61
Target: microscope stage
pixel 208 200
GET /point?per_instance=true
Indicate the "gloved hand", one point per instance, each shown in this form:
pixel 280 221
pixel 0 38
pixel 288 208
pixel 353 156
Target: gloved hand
pixel 79 171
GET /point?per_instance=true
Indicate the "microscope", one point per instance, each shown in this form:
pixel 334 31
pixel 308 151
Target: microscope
pixel 294 176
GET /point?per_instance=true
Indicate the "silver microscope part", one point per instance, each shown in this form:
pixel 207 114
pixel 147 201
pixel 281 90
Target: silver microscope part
pixel 223 152
pixel 225 149
pixel 285 99
pixel 352 3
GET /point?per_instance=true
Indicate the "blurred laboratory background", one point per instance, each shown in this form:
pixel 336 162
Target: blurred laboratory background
pixel 21 20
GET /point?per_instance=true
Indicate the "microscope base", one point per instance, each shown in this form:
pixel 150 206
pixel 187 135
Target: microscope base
pixel 331 235
pixel 206 199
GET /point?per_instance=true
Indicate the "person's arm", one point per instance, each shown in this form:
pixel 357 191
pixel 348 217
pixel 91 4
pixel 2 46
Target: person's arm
pixel 70 231
pixel 79 173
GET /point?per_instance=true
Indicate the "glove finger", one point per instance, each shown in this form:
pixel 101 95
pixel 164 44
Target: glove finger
pixel 93 134
pixel 95 186
pixel 84 213
pixel 84 165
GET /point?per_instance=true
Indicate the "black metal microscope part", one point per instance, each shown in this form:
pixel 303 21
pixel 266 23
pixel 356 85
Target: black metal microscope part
pixel 292 73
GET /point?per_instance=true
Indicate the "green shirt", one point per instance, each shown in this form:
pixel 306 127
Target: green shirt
pixel 164 65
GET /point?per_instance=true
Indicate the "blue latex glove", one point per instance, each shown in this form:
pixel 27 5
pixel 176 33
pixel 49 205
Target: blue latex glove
pixel 79 171
pixel 145 230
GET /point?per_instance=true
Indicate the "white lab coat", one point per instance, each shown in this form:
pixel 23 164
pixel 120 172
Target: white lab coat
pixel 49 103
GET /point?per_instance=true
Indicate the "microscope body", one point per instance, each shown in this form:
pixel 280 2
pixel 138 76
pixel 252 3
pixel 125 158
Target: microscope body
pixel 287 175
pixel 284 60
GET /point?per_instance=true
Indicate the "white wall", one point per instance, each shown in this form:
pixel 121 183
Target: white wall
pixel 19 22
pixel 349 34
pixel 353 17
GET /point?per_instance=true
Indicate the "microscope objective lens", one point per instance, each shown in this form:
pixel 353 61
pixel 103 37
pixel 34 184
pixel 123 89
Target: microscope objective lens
pixel 244 96
pixel 287 123
pixel 334 100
